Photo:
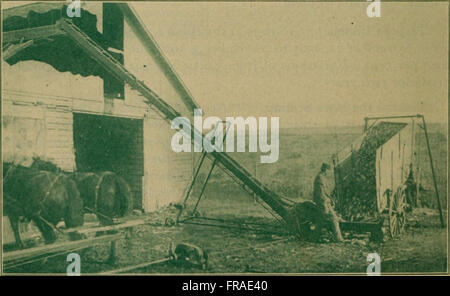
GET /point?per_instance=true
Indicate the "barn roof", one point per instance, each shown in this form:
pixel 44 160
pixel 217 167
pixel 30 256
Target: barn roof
pixel 57 50
pixel 24 10
pixel 64 55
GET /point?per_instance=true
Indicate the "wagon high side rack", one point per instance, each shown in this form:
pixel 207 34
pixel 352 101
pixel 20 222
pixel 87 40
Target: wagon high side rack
pixel 424 128
pixel 377 176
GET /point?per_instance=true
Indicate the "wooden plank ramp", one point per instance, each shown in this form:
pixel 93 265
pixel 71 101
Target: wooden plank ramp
pixel 118 226
pixel 26 256
pixel 21 257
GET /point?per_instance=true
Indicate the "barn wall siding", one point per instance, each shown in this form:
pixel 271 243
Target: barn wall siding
pixel 37 91
pixel 145 69
pixel 33 78
pixel 23 133
pixel 166 173
pixel 59 128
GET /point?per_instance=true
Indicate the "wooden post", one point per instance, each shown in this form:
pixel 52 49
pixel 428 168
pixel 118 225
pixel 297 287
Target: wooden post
pixel 204 186
pixel 432 171
pixel 129 234
pixel 112 253
pixel 336 180
pixel 255 197
pixel 191 185
pixel 418 200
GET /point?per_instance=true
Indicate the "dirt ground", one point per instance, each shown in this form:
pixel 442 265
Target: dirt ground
pixel 422 248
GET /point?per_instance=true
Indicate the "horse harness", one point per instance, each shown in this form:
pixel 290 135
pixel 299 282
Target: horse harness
pixel 97 188
pixel 32 175
pixel 52 183
pixel 47 193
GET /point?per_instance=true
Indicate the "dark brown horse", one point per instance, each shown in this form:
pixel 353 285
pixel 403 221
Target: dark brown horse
pixel 104 193
pixel 43 197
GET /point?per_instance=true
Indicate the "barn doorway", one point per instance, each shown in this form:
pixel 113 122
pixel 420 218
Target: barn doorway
pixel 107 143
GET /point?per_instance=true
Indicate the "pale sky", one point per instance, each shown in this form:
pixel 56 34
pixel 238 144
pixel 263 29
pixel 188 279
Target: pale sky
pixel 311 64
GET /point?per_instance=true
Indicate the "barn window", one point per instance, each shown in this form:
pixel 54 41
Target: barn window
pixel 113 37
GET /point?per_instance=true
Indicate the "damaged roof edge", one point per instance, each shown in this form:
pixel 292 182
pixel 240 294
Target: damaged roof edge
pixel 14 49
pixel 24 10
pixel 38 22
pixel 31 33
pixel 130 16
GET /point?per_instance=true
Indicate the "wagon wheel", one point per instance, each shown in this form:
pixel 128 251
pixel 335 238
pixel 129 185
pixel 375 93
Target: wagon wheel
pixel 397 213
pixel 310 230
pixel 306 221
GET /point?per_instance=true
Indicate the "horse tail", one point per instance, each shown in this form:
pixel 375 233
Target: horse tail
pixel 74 215
pixel 124 196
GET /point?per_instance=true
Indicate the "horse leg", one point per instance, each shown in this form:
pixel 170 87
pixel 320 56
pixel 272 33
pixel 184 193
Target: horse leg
pixel 47 231
pixel 105 221
pixel 14 220
pixel 74 213
pixel 124 197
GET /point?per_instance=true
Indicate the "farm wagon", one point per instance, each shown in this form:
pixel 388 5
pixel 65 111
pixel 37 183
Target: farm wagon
pixel 377 175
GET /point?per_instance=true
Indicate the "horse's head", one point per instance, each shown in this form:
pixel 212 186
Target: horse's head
pixel 43 165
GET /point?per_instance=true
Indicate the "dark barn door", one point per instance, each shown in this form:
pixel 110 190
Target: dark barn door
pixel 107 143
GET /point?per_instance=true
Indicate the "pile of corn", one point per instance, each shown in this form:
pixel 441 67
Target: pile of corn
pixel 359 192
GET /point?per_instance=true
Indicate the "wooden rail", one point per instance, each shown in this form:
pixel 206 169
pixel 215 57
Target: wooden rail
pixel 87 230
pixel 21 257
pixel 31 34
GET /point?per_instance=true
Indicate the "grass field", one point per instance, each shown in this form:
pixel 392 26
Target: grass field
pixel 302 151
pixel 422 248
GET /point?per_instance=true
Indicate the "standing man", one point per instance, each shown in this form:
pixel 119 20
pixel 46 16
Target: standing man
pixel 322 199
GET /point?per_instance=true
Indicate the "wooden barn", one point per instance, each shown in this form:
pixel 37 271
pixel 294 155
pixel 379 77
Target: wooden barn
pixel 60 105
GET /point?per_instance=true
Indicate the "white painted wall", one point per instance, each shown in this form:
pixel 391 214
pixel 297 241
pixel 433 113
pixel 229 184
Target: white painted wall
pixel 33 88
pixel 146 70
pixel 166 173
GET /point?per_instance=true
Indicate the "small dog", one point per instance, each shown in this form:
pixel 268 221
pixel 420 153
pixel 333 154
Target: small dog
pixel 188 254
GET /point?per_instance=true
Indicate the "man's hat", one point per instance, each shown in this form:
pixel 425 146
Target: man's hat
pixel 325 166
